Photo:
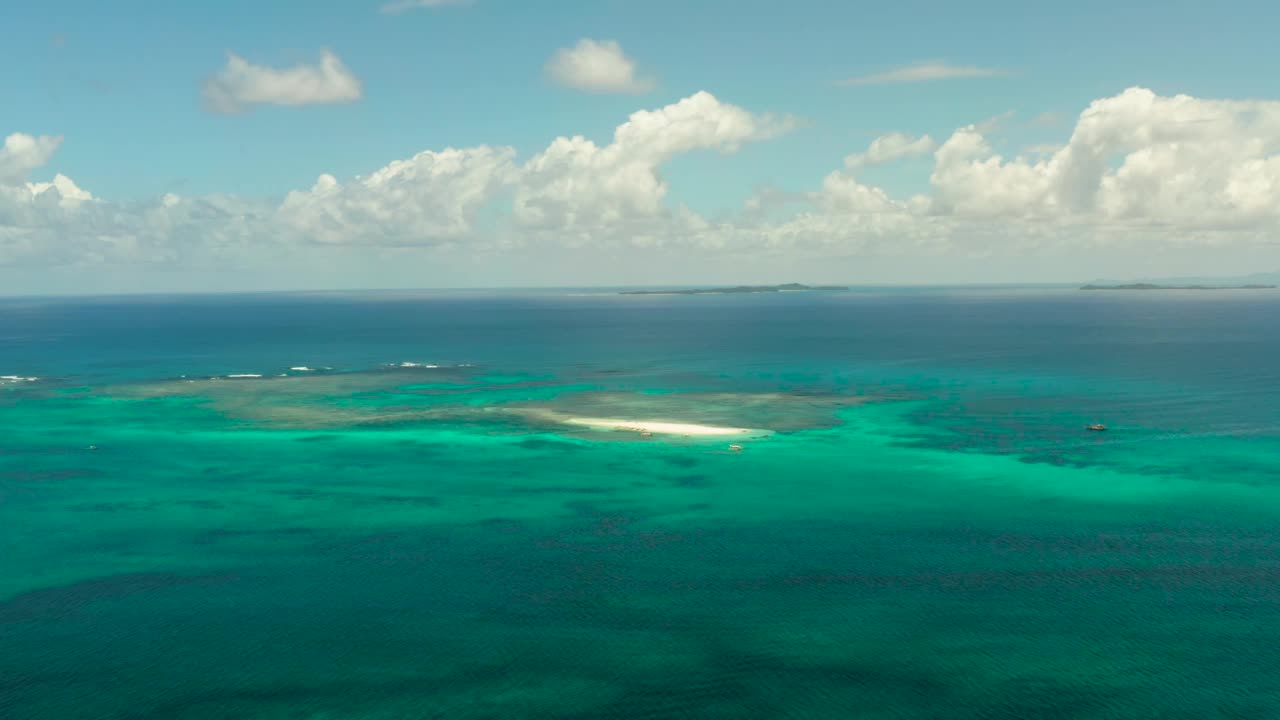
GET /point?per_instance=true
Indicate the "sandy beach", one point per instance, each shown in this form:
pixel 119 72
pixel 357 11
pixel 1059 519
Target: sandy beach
pixel 659 427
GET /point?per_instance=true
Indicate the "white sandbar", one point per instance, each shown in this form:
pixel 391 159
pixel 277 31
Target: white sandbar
pixel 659 427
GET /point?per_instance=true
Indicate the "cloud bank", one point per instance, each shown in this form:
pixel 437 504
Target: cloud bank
pixel 1139 173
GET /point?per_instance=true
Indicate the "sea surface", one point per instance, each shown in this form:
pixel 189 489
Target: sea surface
pixel 919 526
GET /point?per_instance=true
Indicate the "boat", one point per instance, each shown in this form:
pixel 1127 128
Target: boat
pixel 735 447
pixel 1096 427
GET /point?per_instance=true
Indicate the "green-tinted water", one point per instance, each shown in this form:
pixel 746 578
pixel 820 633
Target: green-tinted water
pixel 426 542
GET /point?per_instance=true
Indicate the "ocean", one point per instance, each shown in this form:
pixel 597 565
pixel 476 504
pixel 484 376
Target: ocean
pixel 373 505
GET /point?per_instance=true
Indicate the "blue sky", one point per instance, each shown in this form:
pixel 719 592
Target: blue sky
pixel 121 83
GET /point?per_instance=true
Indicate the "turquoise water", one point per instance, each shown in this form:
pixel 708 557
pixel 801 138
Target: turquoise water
pixel 925 531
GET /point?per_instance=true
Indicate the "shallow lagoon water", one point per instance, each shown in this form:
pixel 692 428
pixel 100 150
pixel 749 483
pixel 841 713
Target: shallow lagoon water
pixel 927 533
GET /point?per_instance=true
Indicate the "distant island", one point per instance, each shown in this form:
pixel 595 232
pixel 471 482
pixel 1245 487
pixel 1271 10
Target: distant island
pixel 1153 286
pixel 739 289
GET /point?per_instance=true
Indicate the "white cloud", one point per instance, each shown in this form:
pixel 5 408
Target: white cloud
pixel 430 197
pixel 573 191
pixel 34 215
pixel 401 6
pixel 68 194
pixel 575 184
pixel 58 224
pixel 596 66
pixel 887 148
pixel 1043 149
pixel 63 226
pixel 841 194
pixel 924 72
pixel 1135 157
pixel 1140 177
pixel 241 84
pixel 22 153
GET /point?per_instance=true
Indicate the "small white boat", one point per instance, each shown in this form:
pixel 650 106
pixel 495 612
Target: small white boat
pixel 1096 427
pixel 735 448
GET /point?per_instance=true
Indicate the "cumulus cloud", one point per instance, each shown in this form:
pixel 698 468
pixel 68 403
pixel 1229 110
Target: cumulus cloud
pixel 1138 171
pixel 56 223
pixel 430 197
pixel 61 190
pixel 1135 157
pixel 573 189
pixel 597 66
pixel 887 148
pixel 241 84
pixel 401 6
pixel 34 215
pixel 62 225
pixel 924 72
pixel 22 153
pixel 576 184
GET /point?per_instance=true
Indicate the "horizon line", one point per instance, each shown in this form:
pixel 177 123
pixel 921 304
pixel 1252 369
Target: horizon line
pixel 525 288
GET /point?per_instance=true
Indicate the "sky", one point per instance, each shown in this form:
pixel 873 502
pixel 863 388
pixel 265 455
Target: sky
pixel 238 145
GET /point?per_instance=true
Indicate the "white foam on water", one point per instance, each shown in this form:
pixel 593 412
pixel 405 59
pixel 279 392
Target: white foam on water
pixel 7 379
